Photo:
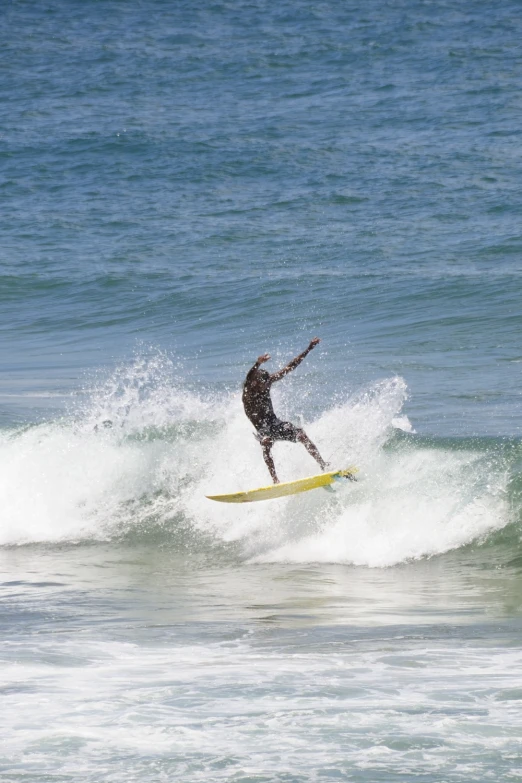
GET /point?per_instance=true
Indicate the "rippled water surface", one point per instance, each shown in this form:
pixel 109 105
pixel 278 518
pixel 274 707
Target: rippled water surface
pixel 184 187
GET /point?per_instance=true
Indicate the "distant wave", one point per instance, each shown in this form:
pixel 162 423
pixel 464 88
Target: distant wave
pixel 136 462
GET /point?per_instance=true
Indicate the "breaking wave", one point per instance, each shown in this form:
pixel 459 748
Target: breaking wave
pixel 135 461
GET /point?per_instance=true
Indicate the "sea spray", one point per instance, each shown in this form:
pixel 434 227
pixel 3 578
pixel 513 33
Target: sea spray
pixel 139 455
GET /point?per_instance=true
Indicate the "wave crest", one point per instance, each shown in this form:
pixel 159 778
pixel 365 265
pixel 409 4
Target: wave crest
pixel 138 459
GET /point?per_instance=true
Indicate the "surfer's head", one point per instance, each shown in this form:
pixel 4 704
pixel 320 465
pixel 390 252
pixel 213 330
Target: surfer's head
pixel 264 375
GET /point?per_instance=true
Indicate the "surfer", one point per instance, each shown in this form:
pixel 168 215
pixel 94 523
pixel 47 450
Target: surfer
pixel 259 409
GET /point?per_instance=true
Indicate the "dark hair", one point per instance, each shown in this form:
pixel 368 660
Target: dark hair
pixel 265 375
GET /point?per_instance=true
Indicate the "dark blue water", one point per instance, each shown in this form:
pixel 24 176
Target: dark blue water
pixel 187 185
pixel 217 180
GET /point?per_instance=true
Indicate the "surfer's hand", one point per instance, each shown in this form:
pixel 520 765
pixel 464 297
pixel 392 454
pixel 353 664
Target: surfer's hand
pixel 314 342
pixel 264 358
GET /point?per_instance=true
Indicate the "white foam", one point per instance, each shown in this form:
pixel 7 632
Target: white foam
pixel 221 710
pixel 168 447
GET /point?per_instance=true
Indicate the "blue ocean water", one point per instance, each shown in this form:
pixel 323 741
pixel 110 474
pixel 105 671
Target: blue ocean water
pixel 185 186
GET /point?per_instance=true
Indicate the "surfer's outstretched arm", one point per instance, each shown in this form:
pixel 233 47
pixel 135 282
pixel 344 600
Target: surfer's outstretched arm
pixel 295 362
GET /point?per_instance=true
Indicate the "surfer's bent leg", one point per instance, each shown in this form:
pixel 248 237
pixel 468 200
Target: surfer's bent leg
pixel 266 445
pixel 311 448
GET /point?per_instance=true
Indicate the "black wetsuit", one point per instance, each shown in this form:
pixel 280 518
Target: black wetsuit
pixel 259 409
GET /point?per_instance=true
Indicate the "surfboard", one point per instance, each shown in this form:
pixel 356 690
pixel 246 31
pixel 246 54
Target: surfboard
pixel 287 487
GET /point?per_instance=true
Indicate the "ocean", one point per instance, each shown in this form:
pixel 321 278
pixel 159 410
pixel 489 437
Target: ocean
pixel 186 186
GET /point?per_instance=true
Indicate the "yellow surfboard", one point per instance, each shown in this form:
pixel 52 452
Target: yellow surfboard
pixel 286 488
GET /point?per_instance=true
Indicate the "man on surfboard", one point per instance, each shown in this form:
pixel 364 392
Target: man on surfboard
pixel 259 409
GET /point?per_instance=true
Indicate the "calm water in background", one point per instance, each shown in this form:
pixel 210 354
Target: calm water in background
pixel 185 186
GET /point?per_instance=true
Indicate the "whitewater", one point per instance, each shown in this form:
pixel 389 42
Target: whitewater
pixel 151 635
pixel 142 452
